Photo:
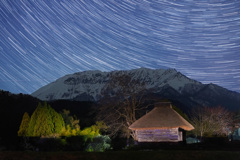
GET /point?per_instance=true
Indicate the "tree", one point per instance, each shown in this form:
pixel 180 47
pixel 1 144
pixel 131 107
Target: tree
pixel 72 121
pixel 120 113
pixel 211 121
pixel 72 127
pixel 57 120
pixel 94 130
pixel 33 120
pixel 44 124
pixel 45 121
pixel 24 125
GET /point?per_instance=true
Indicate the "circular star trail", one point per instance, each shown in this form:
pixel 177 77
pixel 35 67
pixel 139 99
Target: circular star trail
pixel 44 40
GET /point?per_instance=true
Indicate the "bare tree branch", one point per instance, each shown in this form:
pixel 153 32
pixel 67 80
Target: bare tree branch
pixel 211 121
pixel 120 114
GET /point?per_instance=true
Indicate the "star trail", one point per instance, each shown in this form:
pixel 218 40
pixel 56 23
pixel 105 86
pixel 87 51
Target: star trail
pixel 43 40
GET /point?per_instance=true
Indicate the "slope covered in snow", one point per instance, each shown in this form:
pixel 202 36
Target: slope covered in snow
pixel 89 85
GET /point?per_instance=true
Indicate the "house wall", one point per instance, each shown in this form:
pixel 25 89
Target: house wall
pixel 159 135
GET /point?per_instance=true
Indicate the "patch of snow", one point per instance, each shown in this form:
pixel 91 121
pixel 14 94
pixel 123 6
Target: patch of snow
pixel 94 83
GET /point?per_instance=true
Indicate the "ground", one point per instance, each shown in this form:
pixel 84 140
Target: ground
pixel 122 155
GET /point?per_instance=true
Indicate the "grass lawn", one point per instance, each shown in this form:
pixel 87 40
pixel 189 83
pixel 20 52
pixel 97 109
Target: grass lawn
pixel 122 155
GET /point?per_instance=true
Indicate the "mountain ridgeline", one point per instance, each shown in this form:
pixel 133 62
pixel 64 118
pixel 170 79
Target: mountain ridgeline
pixel 166 84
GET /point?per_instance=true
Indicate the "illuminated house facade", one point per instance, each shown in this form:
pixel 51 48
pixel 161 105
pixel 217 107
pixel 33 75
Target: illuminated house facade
pixel 162 124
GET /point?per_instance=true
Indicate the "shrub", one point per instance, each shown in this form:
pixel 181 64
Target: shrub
pixel 75 143
pixel 99 144
pixel 51 144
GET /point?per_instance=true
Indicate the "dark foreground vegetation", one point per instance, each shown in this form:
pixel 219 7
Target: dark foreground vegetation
pixel 210 149
pixel 123 155
pixel 78 145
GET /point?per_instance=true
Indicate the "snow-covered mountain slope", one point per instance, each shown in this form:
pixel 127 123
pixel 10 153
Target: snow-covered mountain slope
pixel 170 84
pixel 89 85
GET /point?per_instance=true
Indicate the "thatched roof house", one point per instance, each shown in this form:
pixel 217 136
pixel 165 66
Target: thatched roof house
pixel 161 124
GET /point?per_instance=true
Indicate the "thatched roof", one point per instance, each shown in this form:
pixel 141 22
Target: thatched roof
pixel 161 117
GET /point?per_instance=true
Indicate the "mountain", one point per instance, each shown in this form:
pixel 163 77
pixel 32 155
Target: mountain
pixel 164 83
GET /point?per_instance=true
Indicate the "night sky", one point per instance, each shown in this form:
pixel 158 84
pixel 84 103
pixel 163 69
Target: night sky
pixel 41 41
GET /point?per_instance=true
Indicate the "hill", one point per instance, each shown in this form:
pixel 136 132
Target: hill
pixel 166 84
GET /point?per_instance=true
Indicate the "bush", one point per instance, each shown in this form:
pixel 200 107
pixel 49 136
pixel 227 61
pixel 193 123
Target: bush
pixel 119 143
pixel 99 144
pixel 75 143
pixel 215 140
pixel 51 144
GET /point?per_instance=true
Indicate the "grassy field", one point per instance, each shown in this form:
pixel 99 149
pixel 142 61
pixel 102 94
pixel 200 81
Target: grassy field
pixel 122 155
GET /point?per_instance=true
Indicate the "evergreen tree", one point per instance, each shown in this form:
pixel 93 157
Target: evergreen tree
pixel 24 125
pixel 57 120
pixel 33 120
pixel 45 121
pixel 44 124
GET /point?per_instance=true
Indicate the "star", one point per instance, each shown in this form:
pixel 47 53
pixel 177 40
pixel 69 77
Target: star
pixel 42 41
